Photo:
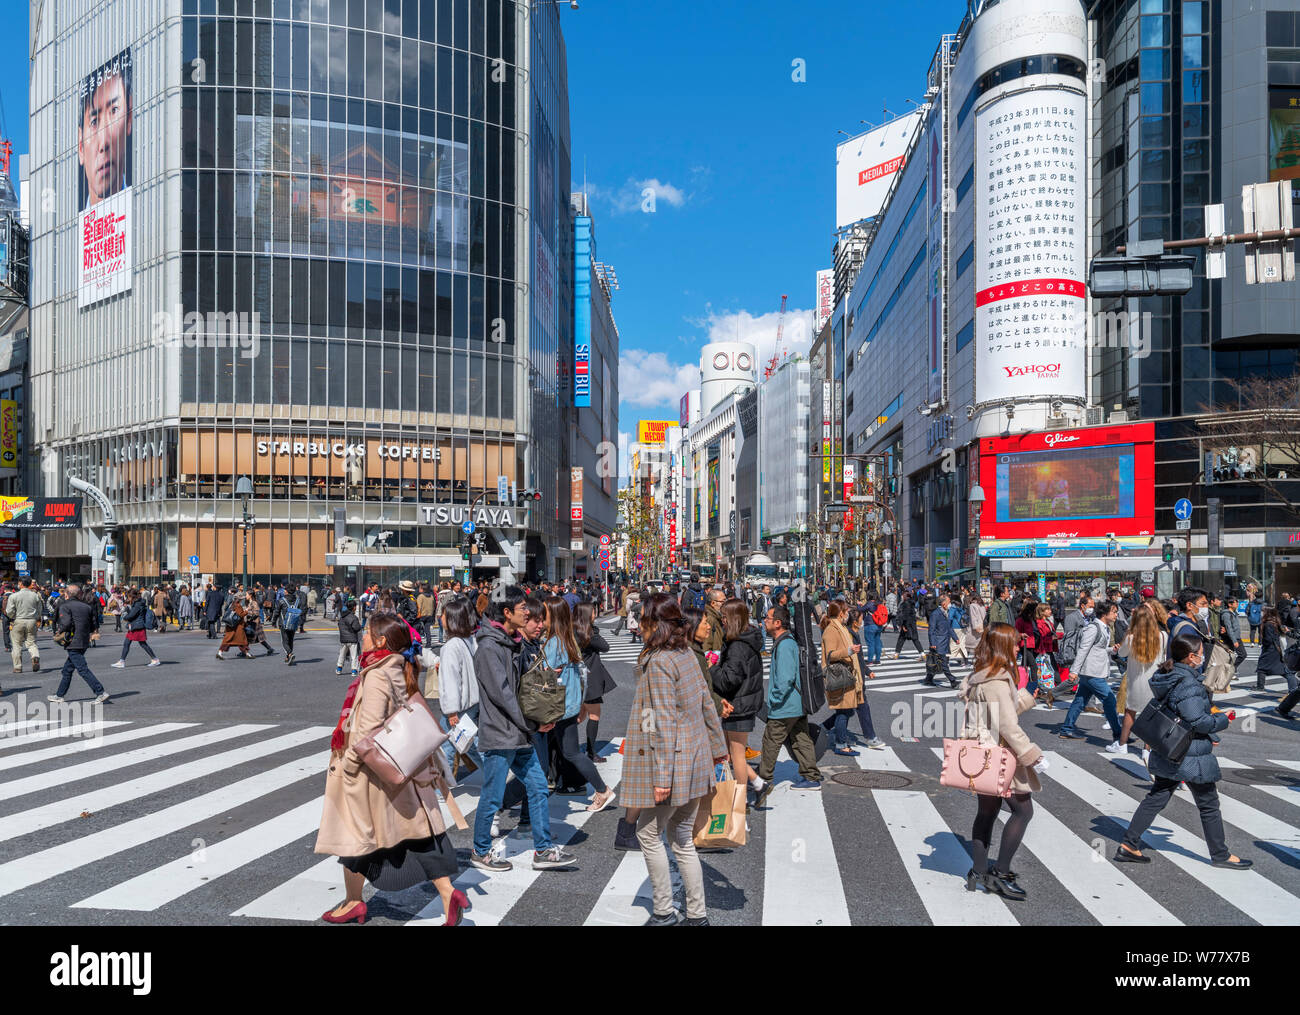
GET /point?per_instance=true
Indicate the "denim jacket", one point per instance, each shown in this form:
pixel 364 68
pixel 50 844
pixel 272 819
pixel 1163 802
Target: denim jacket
pixel 572 677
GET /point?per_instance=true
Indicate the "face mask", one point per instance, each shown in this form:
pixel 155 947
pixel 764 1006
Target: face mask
pixel 1203 613
pixel 1089 612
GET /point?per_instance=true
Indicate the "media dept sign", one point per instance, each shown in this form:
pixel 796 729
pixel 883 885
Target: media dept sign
pixel 1030 246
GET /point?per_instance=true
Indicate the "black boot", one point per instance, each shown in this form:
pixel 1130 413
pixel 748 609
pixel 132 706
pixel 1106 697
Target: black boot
pixel 625 838
pixel 1004 884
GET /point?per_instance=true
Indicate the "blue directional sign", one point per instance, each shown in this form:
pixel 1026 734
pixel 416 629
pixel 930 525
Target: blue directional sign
pixel 194 560
pixel 1183 510
pixel 20 557
pixel 467 527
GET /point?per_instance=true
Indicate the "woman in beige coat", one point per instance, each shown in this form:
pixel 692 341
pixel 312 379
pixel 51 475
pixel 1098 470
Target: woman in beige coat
pixel 838 647
pixel 993 704
pixel 398 839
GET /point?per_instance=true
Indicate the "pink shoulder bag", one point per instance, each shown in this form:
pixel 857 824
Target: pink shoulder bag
pixel 978 768
pixel 403 746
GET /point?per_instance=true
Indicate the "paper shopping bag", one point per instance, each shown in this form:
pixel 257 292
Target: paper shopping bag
pixel 720 821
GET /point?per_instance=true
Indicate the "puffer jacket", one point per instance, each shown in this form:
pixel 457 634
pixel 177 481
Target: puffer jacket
pixel 1181 691
pixel 738 677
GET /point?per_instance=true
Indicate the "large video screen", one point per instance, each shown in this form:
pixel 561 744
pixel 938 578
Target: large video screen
pixel 1044 486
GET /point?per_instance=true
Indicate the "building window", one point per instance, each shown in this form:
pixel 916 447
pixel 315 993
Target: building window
pixel 966 334
pixel 966 259
pixel 967 182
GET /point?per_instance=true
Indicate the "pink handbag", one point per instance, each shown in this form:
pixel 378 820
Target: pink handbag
pixel 979 768
pixel 405 744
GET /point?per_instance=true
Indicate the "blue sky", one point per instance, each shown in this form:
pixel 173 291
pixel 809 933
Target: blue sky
pixel 698 101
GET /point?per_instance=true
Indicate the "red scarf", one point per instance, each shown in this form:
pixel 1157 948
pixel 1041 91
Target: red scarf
pixel 339 739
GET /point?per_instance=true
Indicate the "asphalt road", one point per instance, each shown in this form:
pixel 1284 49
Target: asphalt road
pixel 199 798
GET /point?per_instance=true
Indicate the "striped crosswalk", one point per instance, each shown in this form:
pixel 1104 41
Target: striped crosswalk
pixel 220 820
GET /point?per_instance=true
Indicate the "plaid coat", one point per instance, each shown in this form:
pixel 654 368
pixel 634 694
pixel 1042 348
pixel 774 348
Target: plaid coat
pixel 673 733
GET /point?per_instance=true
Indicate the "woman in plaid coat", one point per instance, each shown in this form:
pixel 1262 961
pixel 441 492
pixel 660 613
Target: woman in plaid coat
pixel 674 738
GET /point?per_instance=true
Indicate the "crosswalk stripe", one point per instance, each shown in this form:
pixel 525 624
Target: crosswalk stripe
pixel 167 883
pixel 38 818
pixel 93 744
pixel 1253 822
pixel 57 733
pixel 320 888
pixel 40 866
pixel 883 760
pixel 937 862
pixel 90 769
pixel 9 729
pixel 1111 898
pixel 1248 891
pixel 627 900
pixel 1293 765
pixel 801 878
pixel 568 815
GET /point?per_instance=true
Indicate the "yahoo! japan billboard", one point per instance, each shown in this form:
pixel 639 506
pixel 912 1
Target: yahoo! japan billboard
pixel 1069 484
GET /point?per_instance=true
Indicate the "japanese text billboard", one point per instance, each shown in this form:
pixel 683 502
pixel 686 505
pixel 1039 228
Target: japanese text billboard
pixel 1030 247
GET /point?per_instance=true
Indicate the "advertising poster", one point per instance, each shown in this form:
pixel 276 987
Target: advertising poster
pixel 1041 486
pixel 865 168
pixel 714 476
pixel 1031 236
pixel 575 509
pixel 104 146
pixel 825 299
pixel 41 512
pixel 1283 134
pixel 8 433
pixel 653 433
pixel 934 243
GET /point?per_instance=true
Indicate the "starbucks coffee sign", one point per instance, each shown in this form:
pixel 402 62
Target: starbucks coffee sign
pixel 342 449
pixel 458 514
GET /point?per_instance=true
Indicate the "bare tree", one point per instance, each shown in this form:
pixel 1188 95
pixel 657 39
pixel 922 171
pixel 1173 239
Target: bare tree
pixel 1259 443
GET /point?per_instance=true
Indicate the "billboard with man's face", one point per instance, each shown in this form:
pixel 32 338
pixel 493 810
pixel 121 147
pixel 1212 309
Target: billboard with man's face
pixel 105 108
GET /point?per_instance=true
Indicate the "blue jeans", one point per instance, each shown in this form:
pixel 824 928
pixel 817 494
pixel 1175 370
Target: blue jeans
pixel 77 660
pixel 837 724
pixel 873 643
pixel 496 764
pixel 450 752
pixel 1089 686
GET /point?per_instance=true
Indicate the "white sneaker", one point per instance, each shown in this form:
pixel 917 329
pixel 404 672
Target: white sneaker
pixel 119 665
pixel 103 697
pixel 54 697
pixel 1116 748
pixel 496 826
pixel 156 662
pixel 1146 756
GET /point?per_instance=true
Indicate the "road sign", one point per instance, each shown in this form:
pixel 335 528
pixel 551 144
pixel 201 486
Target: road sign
pixel 467 527
pixel 1183 525
pixel 640 561
pixel 604 540
pixel 604 563
pixel 24 573
pixel 20 557
pixel 1183 510
pixel 194 560
pixel 1148 576
pixel 503 488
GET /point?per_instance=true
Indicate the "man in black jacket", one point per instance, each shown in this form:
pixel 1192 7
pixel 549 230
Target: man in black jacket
pixel 506 737
pixel 76 616
pixel 212 607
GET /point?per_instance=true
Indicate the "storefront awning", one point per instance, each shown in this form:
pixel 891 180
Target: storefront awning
pixel 1098 566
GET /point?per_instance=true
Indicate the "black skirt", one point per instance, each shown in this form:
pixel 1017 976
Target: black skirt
pixel 599 682
pixel 734 725
pixel 407 864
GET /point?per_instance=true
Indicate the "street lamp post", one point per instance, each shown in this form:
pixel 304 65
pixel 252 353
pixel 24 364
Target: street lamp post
pixel 976 500
pixel 244 490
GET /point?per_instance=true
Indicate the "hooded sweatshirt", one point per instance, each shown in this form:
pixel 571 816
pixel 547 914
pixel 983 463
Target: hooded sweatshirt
pixel 501 725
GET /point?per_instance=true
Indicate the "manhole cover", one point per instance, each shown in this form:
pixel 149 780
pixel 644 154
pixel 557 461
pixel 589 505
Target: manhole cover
pixel 872 780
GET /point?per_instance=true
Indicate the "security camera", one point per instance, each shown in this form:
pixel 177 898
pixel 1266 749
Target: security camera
pixel 1057 406
pixel 924 409
pixel 970 412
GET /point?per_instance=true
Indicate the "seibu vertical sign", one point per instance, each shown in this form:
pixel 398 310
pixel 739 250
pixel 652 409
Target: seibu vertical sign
pixel 1030 247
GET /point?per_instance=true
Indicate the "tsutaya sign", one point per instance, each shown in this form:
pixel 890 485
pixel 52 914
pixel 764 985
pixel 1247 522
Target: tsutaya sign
pixel 456 514
pixel 342 449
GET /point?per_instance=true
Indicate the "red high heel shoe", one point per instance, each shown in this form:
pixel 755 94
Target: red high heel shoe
pixel 357 913
pixel 458 908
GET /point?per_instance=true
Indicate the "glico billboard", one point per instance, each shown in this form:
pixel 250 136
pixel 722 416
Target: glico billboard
pixel 1069 484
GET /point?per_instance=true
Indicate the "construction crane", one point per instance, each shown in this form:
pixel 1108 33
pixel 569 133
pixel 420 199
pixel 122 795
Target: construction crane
pixel 780 330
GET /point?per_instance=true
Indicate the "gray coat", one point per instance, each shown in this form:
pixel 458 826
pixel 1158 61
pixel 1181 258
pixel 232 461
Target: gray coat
pixel 940 630
pixel 1231 624
pixel 1181 691
pixel 1093 657
pixel 501 726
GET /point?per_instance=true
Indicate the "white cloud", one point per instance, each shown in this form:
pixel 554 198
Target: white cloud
pixel 649 378
pixel 633 194
pixel 760 331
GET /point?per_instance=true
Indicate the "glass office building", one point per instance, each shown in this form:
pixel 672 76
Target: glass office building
pixel 1198 100
pixel 317 262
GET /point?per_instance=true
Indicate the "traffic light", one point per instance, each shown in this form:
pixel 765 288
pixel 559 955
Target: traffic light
pixel 530 494
pixel 466 549
pixel 1167 553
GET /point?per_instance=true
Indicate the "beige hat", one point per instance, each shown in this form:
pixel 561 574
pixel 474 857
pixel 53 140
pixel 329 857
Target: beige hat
pixel 406 586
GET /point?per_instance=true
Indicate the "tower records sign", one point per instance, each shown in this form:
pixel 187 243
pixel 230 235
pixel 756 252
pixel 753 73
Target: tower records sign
pixel 104 114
